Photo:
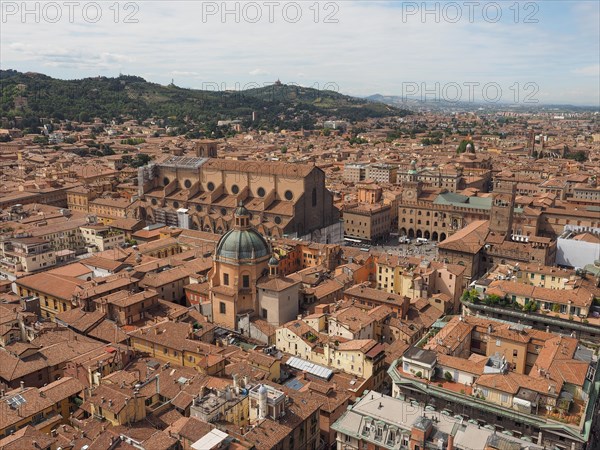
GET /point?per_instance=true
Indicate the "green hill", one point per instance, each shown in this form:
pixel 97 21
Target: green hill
pixel 33 95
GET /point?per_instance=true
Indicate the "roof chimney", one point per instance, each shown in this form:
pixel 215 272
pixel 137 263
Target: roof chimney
pixel 450 442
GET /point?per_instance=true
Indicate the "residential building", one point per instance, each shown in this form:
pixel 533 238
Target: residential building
pixel 99 238
pixel 175 343
pixel 363 358
pixel 415 277
pixel 26 255
pixel 367 223
pixel 44 408
pixel 125 307
pixel 508 377
pixel 381 421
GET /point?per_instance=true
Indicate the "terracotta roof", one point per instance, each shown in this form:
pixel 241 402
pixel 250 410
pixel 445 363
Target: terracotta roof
pixel 474 367
pixel 578 297
pixel 56 347
pixel 63 388
pixel 27 437
pixel 362 345
pixel 79 319
pixel 276 284
pixel 102 263
pixel 511 382
pixel 123 299
pixel 352 318
pixel 34 404
pixel 58 286
pixel 450 336
pixel 269 433
pixel 469 239
pixel 368 293
pixel 190 428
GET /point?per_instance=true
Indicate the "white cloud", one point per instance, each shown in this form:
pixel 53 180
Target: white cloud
pixel 591 71
pixel 180 73
pixel 369 50
pixel 256 72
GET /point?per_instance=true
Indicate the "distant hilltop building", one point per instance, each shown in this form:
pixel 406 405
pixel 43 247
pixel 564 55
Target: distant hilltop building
pixel 202 193
pixel 335 124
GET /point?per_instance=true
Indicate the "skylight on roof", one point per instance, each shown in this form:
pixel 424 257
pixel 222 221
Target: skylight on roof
pixel 16 401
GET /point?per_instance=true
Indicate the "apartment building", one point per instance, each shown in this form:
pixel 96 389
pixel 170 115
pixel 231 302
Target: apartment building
pixel 175 343
pixel 363 357
pixel 44 408
pixel 110 209
pixel 367 223
pixel 364 296
pixel 576 301
pixel 420 278
pixel 586 194
pixel 58 290
pixel 26 255
pixel 125 307
pixel 118 405
pixel 507 377
pixel 99 238
pixel 56 293
pixel 545 290
pixel 380 421
pixel 44 358
pixel 63 235
pixel 382 173
pixel 281 418
pixel 355 172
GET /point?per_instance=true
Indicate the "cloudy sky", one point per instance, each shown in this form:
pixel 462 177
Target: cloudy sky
pixel 515 52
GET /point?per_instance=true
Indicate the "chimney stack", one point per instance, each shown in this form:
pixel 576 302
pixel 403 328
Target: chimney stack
pixel 236 388
pixel 450 442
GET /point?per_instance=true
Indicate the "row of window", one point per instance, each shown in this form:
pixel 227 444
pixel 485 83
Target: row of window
pixel 435 224
pixel 419 213
pixel 235 189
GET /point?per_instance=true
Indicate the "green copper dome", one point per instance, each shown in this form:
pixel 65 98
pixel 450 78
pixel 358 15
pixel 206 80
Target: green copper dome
pixel 242 244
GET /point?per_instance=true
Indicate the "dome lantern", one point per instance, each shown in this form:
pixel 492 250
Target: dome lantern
pixel 273 267
pixel 242 217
